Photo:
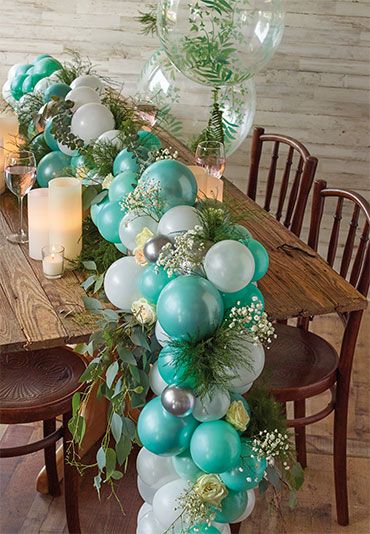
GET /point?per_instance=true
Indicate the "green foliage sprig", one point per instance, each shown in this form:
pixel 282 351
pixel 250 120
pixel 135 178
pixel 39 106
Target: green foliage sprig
pixel 148 20
pixel 217 221
pixel 27 113
pixel 74 67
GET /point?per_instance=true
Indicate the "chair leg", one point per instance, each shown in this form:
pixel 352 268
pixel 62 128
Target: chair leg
pixel 50 460
pixel 71 483
pixel 235 528
pixel 300 433
pixel 340 452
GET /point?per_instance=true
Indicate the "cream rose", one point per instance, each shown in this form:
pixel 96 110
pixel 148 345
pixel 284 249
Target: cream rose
pixel 139 256
pixel 210 489
pixel 142 237
pixel 143 311
pixel 237 415
pixel 107 181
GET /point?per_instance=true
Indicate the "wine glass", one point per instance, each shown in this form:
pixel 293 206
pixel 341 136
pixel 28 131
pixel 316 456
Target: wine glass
pixel 211 156
pixel 20 175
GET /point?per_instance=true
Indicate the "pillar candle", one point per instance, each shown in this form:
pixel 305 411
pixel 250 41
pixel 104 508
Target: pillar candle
pixel 2 174
pixel 38 221
pixel 208 186
pixel 65 216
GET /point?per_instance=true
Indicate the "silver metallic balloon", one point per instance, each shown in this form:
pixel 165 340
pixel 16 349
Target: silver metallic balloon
pixel 153 247
pixel 178 401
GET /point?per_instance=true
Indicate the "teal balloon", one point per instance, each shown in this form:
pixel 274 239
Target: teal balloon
pixel 16 85
pixel 108 221
pixel 232 507
pixel 23 69
pixel 58 90
pixel 185 467
pixel 123 184
pixel 46 66
pixel 215 447
pixel 30 82
pixel 203 528
pixel 121 248
pixel 244 296
pixel 51 166
pixel 39 147
pixel 248 472
pixel 125 161
pixel 261 259
pixel 40 57
pixel 162 433
pixel 49 137
pixel 149 141
pixel 177 183
pixel 190 307
pixel 170 371
pixel 96 208
pixel 244 233
pixel 151 281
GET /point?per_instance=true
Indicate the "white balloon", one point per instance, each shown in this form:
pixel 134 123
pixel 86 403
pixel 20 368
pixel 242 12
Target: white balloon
pixel 155 471
pixel 146 492
pixel 82 95
pixel 249 508
pixel 132 223
pixel 55 76
pixel 113 137
pixel 149 524
pixel 242 389
pixel 144 509
pixel 212 406
pixel 91 120
pixel 255 355
pixel 156 382
pixel 88 80
pixel 229 265
pixel 224 528
pixel 43 84
pixel 166 507
pixel 162 337
pixel 66 150
pixel 178 220
pixel 12 71
pixel 120 282
pixel 7 94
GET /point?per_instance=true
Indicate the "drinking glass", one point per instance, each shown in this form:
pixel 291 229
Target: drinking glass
pixel 20 175
pixel 211 156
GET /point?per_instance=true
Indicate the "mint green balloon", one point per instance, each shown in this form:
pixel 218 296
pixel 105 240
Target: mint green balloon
pixel 244 297
pixel 95 209
pixel 108 221
pixel 52 166
pixel 215 447
pixel 162 433
pixel 40 57
pixel 190 307
pixel 123 184
pixel 16 85
pixel 177 183
pixel 232 507
pixel 185 467
pixel 244 233
pixel 261 259
pixel 203 528
pixel 170 371
pixel 125 161
pixel 47 66
pixel 58 90
pixel 23 69
pixel 151 281
pixel 30 82
pixel 149 141
pixel 49 137
pixel 39 147
pixel 248 472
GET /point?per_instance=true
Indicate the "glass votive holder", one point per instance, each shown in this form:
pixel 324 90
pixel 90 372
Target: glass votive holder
pixel 53 261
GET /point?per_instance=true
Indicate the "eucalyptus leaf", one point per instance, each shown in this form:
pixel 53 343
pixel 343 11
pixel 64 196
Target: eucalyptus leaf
pixel 116 424
pixel 110 462
pixel 129 428
pixel 88 282
pixel 88 196
pixel 126 355
pixel 100 196
pixel 89 265
pixel 110 314
pixel 89 373
pixel 76 399
pixel 92 304
pixel 263 486
pixel 292 499
pixel 273 477
pixel 101 458
pixel 138 337
pixel 98 283
pixel 111 373
pixel 123 449
pixel 77 427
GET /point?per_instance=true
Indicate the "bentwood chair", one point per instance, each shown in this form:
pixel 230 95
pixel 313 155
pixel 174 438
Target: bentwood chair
pixel 38 386
pixel 293 193
pixel 300 364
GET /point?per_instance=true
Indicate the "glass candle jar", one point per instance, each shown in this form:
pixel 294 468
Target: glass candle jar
pixel 53 261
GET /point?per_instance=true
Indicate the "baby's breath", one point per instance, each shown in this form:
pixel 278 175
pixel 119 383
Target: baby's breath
pixel 146 198
pixel 185 255
pixel 253 321
pixel 272 445
pixel 164 153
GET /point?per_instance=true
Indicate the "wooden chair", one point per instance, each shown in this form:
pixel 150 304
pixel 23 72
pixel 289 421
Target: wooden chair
pixel 301 365
pixel 38 386
pixel 295 198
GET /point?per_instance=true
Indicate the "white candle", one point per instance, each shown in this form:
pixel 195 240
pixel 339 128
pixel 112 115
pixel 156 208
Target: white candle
pixel 52 266
pixel 38 221
pixel 65 215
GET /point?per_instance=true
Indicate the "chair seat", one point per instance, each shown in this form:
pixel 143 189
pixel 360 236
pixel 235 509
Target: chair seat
pixel 38 385
pixel 299 364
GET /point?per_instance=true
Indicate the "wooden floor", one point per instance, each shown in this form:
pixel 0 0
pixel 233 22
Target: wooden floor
pixel 25 511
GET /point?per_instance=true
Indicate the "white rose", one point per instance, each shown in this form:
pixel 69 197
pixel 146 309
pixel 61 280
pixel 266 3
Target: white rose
pixel 143 311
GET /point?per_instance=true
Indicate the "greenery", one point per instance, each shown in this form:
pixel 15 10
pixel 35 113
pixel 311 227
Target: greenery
pixel 74 67
pixel 217 222
pixel 148 20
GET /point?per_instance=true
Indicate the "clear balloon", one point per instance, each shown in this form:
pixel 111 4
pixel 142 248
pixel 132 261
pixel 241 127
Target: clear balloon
pixel 133 223
pixel 146 492
pixel 88 80
pixel 212 406
pixel 156 382
pixel 164 86
pixel 220 43
pixel 91 120
pixel 82 95
pixel 166 506
pixel 144 509
pixel 120 283
pixel 229 265
pixel 149 524
pixel 155 471
pixel 178 220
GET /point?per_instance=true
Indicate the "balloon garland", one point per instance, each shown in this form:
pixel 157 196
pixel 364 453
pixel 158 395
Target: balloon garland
pixel 188 319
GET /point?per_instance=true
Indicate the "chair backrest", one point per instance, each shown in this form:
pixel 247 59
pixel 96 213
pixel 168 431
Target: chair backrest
pixel 351 260
pixel 296 195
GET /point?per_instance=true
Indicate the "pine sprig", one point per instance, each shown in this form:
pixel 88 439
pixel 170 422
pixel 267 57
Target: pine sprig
pixel 148 20
pixel 217 222
pixel 76 66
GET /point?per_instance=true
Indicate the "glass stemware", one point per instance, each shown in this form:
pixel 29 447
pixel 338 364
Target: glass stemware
pixel 211 156
pixel 20 175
